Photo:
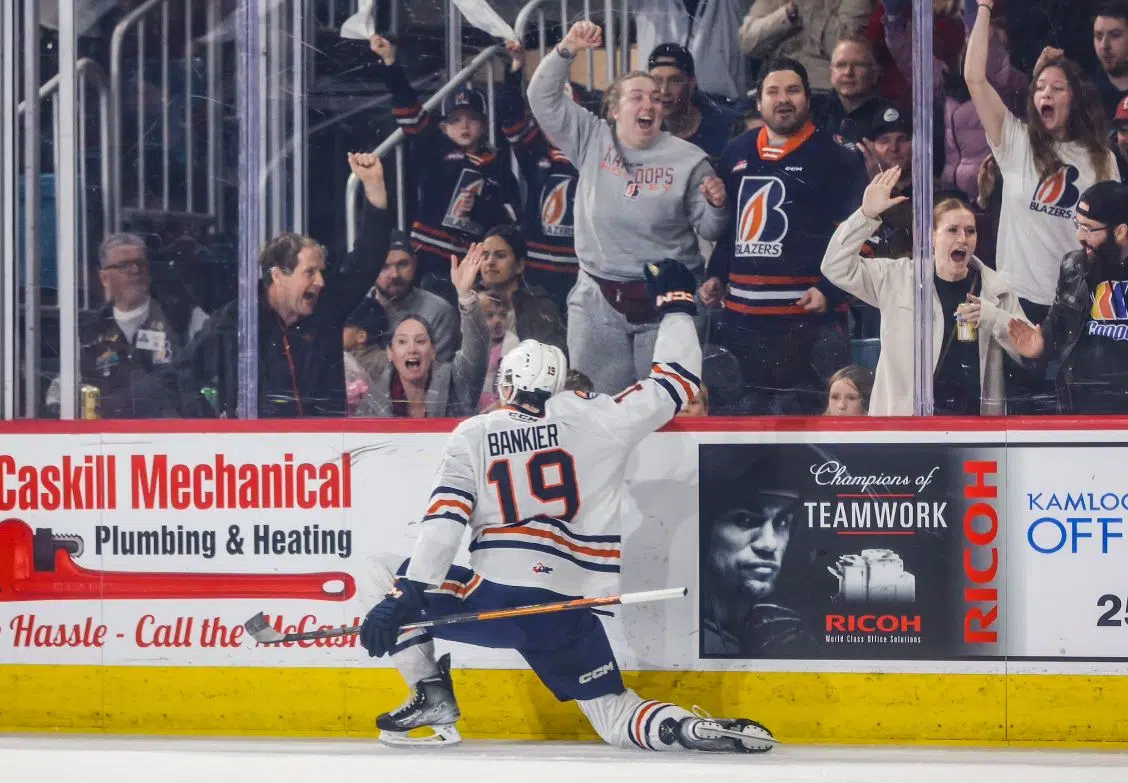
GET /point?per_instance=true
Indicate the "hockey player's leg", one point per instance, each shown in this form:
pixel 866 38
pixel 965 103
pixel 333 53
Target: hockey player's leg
pixel 626 720
pixel 431 702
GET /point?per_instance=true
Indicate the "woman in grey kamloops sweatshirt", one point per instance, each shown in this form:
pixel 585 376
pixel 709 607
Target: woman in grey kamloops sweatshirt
pixel 643 196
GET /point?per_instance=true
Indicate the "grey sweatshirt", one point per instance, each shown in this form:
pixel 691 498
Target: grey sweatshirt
pixel 624 220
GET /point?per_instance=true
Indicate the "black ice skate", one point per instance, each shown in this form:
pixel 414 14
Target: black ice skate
pixel 431 705
pixel 721 735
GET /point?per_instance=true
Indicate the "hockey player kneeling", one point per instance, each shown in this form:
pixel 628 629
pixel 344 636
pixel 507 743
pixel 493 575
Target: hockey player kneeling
pixel 539 482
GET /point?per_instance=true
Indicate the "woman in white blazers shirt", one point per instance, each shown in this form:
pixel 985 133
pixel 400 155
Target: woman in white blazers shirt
pixel 985 301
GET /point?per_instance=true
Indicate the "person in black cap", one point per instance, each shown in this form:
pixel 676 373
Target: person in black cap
pixel 888 144
pixel 1086 329
pixel 689 114
pixel 465 187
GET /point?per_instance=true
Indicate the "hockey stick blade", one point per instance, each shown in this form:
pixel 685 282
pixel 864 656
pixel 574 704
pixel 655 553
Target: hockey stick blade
pixel 261 631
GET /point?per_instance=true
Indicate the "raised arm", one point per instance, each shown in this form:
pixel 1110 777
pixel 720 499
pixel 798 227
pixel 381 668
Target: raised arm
pixel 843 263
pixel 569 126
pixel 988 104
pixel 472 360
pixel 675 372
pixel 764 27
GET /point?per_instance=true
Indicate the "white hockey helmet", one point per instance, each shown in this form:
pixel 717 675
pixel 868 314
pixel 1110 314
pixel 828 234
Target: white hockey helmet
pixel 533 367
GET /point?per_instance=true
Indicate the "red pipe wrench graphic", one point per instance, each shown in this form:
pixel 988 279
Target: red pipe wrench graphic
pixel 39 566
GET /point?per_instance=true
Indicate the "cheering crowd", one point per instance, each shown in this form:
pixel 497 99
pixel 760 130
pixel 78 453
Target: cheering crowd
pixel 792 206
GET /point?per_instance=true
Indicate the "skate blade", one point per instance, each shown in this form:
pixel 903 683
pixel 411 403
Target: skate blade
pixel 441 736
pixel 752 743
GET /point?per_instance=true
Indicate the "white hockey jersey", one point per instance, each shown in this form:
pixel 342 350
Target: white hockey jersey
pixel 541 494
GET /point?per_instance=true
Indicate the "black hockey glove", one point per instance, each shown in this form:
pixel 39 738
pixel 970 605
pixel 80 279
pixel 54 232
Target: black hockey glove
pixel 380 629
pixel 672 285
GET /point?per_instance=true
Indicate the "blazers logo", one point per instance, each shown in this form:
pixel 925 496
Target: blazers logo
pixel 761 222
pixel 1057 194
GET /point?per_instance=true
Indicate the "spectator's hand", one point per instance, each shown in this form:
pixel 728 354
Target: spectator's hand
pixel 869 156
pixel 813 301
pixel 713 188
pixel 465 274
pixel 711 292
pixel 972 311
pixel 517 54
pixel 1048 54
pixel 987 180
pixel 1027 339
pixel 583 35
pixel 879 194
pixel 369 169
pixel 383 49
pixel 464 204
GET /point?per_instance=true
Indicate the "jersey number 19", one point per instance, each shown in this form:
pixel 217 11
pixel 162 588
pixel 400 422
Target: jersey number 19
pixel 565 490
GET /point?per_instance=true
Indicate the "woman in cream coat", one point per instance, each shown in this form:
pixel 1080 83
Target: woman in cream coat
pixel 887 284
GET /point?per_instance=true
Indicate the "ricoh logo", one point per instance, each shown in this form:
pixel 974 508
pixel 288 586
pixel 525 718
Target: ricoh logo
pixel 595 674
pixel 873 623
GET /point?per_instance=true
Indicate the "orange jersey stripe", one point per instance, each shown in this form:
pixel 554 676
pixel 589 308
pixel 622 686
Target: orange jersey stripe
pixel 747 310
pixel 686 387
pixel 444 502
pixel 773 280
pixel 640 721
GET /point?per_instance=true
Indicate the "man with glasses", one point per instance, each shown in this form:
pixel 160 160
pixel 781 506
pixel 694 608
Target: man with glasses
pixel 689 114
pixel 1086 329
pixel 127 346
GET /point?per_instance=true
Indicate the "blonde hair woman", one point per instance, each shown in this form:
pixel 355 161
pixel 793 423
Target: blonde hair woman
pixel 643 195
pixel 972 308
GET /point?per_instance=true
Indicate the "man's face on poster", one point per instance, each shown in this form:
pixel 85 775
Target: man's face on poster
pixel 747 544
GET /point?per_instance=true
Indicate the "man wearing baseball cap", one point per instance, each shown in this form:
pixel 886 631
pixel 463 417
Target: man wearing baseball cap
pixel 689 114
pixel 1086 329
pixel 888 143
pixel 394 295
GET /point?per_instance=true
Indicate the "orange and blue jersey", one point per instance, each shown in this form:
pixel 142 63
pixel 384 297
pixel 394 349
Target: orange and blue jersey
pixel 549 212
pixel 441 173
pixel 787 202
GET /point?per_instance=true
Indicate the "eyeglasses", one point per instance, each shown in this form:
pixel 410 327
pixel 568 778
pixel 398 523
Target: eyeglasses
pixel 1087 230
pixel 673 81
pixel 138 263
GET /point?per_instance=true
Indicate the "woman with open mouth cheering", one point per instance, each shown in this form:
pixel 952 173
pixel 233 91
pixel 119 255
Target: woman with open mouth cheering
pixel 1047 160
pixel 972 308
pixel 413 384
pixel 643 195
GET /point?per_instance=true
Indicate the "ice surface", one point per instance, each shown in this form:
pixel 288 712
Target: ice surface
pixel 40 759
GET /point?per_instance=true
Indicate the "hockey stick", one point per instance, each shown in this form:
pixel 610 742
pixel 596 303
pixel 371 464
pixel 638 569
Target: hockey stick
pixel 260 629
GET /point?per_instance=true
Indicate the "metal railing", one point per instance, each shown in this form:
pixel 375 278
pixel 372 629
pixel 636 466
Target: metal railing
pixel 179 194
pixel 88 74
pixel 394 141
pixel 536 9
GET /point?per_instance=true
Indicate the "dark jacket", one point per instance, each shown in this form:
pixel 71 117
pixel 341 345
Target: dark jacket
pixel 1067 319
pixel 300 367
pixel 131 376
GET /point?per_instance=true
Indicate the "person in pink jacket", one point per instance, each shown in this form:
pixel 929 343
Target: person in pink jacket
pixel 965 140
